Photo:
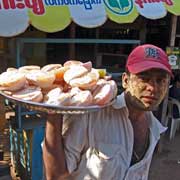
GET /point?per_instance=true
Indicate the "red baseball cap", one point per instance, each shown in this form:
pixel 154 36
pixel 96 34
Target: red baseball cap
pixel 147 56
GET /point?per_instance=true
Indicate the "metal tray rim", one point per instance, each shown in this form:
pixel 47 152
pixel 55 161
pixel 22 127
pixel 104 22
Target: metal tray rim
pixel 53 108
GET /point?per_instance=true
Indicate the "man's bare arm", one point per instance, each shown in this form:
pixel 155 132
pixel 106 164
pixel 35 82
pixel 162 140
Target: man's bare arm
pixel 53 152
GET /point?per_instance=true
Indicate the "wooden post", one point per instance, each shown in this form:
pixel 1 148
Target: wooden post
pixel 173 30
pixel 2 114
pixel 72 48
pixel 172 43
pixel 143 32
pixel 165 102
pixel 96 47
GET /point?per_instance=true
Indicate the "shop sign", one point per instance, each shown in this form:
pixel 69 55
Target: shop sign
pixel 174 57
pixel 56 15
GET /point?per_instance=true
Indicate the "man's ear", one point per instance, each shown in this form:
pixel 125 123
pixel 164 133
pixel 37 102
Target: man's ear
pixel 125 80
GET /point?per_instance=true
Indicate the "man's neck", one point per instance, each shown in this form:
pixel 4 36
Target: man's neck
pixel 135 114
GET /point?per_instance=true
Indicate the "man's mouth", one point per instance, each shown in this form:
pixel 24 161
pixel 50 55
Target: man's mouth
pixel 149 98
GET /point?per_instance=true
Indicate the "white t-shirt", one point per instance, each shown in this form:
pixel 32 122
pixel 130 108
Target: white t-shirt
pixel 99 145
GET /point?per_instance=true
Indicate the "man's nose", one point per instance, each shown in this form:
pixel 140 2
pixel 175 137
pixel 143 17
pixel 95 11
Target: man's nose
pixel 152 84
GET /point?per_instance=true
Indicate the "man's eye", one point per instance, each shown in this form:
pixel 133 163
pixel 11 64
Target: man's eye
pixel 161 80
pixel 148 79
pixel 144 78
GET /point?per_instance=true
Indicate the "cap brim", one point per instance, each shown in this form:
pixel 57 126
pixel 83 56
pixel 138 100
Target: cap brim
pixel 146 65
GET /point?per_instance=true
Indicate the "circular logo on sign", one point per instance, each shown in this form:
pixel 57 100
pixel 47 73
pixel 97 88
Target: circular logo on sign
pixel 172 59
pixel 120 7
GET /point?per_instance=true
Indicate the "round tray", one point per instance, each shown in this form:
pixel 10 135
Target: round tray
pixel 46 108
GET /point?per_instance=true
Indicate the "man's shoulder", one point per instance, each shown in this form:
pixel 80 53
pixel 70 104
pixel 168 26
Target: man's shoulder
pixel 119 102
pixel 155 125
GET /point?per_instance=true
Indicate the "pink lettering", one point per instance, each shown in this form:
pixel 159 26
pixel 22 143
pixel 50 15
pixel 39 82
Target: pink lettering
pixel 12 4
pixel 153 1
pixel 20 5
pixel 141 2
pixel 168 2
pixel 8 4
pixel 5 4
pixel 36 5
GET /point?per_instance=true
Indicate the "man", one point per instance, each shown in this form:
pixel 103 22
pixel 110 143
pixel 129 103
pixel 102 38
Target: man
pixel 116 143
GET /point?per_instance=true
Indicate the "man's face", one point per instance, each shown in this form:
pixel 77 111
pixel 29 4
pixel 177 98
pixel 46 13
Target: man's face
pixel 146 90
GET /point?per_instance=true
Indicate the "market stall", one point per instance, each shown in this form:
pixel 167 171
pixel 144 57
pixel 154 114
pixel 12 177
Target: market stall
pixel 53 16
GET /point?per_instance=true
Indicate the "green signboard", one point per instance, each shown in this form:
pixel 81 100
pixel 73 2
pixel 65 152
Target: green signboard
pixel 174 57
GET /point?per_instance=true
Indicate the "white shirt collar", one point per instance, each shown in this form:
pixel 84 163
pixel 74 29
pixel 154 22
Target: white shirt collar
pixel 154 124
pixel 120 102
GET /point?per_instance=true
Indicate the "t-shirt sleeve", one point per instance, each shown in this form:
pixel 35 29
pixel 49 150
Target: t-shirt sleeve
pixel 75 139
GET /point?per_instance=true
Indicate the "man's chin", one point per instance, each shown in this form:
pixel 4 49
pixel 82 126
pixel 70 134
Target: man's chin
pixel 151 108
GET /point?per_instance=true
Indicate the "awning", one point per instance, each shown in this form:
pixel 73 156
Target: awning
pixel 56 15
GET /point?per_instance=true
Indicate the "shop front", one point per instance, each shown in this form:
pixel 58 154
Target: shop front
pixel 52 31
